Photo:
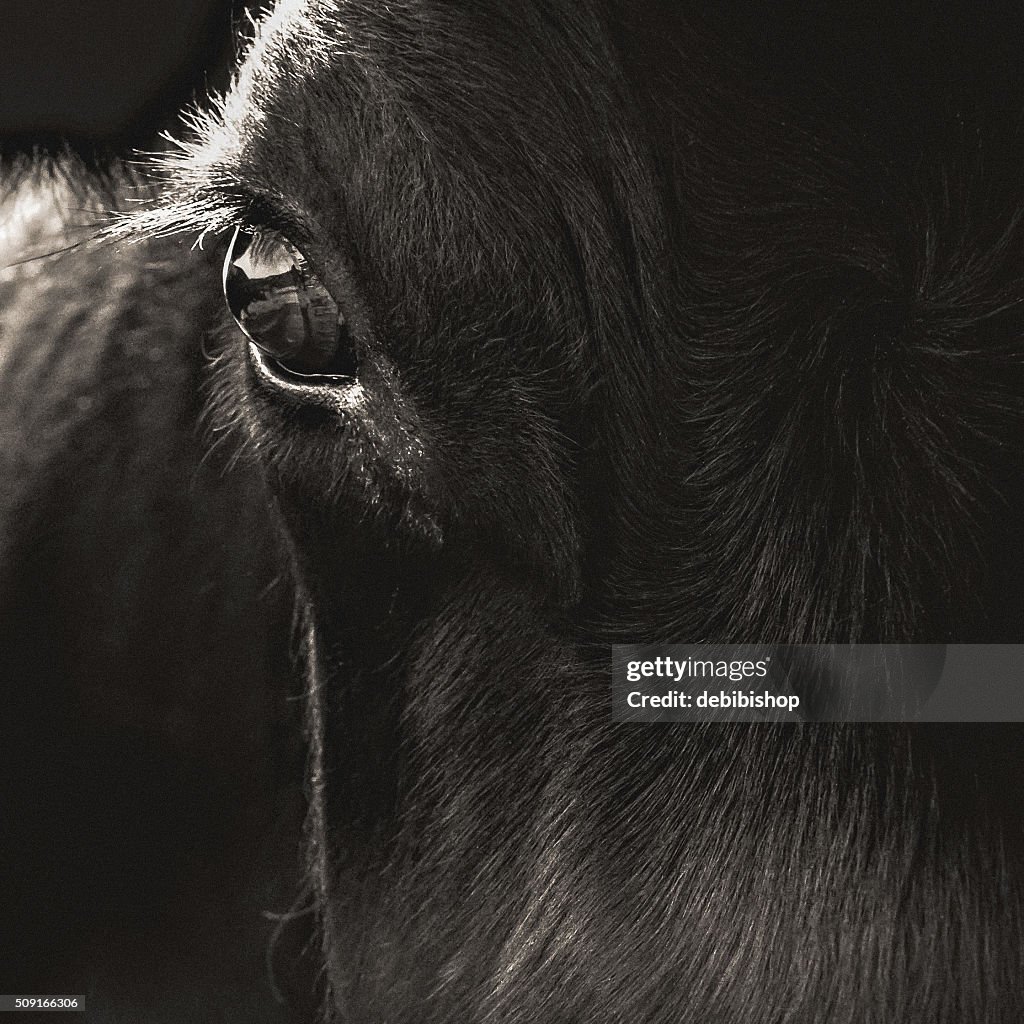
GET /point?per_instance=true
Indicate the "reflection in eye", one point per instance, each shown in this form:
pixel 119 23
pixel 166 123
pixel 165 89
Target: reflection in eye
pixel 284 309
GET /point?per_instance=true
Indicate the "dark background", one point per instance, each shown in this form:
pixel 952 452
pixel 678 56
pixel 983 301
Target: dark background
pixel 107 75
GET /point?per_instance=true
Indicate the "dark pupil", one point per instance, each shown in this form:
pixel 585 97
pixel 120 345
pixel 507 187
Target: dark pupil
pixel 284 310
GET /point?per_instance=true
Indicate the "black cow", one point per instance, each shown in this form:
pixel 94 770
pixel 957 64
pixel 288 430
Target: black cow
pixel 556 336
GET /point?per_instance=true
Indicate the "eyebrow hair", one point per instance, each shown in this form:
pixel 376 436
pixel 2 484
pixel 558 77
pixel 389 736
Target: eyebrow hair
pixel 204 202
pixel 185 188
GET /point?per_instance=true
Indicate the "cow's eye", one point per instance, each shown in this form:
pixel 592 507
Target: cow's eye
pixel 284 308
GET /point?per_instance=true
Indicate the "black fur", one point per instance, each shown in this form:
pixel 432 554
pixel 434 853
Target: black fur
pixel 646 358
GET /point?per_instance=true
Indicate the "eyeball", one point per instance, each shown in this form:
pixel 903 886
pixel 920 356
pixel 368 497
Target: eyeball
pixel 284 309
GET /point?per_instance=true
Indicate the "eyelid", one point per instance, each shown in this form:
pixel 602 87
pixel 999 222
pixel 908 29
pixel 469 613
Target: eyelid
pixel 262 212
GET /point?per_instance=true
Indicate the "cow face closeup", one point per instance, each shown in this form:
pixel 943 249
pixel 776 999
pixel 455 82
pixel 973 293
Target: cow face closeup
pixel 541 331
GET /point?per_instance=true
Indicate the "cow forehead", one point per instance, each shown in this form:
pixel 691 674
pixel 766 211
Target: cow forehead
pixel 436 117
pixel 289 47
pixel 485 83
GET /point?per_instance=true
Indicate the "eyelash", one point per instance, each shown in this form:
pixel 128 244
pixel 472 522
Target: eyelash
pixel 260 215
